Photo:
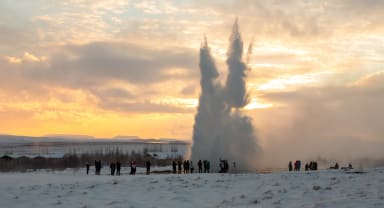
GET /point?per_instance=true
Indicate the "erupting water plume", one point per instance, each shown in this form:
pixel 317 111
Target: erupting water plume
pixel 221 130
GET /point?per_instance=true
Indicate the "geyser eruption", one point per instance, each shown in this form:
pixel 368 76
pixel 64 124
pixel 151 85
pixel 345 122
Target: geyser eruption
pixel 235 85
pixel 220 129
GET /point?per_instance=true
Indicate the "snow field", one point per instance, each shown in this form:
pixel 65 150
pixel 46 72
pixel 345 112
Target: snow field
pixel 326 188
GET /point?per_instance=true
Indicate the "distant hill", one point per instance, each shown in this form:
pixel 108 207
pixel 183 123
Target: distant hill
pixel 68 136
pixel 4 139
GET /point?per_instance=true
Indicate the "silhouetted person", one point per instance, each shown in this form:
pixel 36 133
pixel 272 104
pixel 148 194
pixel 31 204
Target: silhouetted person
pixel 187 166
pixel 336 166
pixel 179 164
pixel 306 167
pixel 87 166
pixel 200 166
pixel 350 166
pixel 224 166
pixel 298 165
pixel 148 166
pixel 205 166
pixel 100 167
pixel 112 166
pixel 118 167
pixel 208 166
pixel 310 166
pixel 96 167
pixel 290 166
pixel 133 168
pixel 174 166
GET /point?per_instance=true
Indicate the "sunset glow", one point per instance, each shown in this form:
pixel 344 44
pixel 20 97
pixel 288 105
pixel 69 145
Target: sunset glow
pixel 115 67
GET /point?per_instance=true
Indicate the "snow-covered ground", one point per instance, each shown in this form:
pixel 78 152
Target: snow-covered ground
pixel 325 188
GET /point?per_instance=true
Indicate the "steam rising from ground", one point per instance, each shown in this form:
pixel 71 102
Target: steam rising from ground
pixel 220 129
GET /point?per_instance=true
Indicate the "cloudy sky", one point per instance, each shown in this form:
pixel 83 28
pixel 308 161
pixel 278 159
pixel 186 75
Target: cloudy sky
pixel 122 67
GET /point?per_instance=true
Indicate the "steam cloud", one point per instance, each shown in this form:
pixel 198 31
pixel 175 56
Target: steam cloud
pixel 220 129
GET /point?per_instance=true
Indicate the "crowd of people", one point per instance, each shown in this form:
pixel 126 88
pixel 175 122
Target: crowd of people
pixel 312 166
pixel 179 166
pixel 115 167
pixel 297 166
pixel 187 166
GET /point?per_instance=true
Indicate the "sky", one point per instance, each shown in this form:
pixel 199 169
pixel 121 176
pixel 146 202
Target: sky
pixel 118 67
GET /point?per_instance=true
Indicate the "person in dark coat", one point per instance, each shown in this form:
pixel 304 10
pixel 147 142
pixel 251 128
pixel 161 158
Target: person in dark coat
pixel 296 166
pixel 299 165
pixel 226 166
pixel 200 166
pixel 179 164
pixel 96 167
pixel 87 166
pixel 112 166
pixel 290 166
pixel 100 166
pixel 314 165
pixel 133 168
pixel 174 166
pixel 148 166
pixel 337 166
pixel 118 168
pixel 187 166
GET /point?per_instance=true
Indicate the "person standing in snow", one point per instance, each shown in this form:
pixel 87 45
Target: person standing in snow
pixel 296 166
pixel 112 166
pixel 132 168
pixel 87 166
pixel 208 166
pixel 290 166
pixel 200 166
pixel 299 165
pixel 226 166
pixel 96 167
pixel 179 164
pixel 174 166
pixel 187 166
pixel 118 167
pixel 100 166
pixel 148 166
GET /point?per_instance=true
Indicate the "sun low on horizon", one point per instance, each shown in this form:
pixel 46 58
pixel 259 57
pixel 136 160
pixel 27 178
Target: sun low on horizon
pixel 115 67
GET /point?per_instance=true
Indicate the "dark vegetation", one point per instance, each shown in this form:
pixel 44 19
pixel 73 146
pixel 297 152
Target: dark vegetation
pixel 73 160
